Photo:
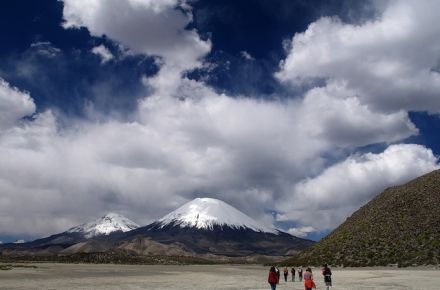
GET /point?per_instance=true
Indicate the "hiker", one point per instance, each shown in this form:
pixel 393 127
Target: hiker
pixel 309 284
pixel 293 274
pixel 300 274
pixel 273 278
pixel 286 273
pixel 327 273
pixel 308 274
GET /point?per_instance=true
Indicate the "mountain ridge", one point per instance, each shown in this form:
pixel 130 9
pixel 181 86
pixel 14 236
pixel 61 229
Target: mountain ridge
pixel 111 222
pixel 203 226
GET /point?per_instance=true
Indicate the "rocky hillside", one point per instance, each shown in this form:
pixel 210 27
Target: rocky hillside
pixel 400 226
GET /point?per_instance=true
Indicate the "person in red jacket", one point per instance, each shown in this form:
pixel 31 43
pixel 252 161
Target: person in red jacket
pixel 309 284
pixel 273 278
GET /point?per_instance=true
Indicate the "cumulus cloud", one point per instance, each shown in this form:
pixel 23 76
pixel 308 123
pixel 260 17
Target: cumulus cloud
pixel 335 113
pixel 174 151
pixel 301 231
pixel 325 200
pixel 14 105
pixel 150 27
pixel 235 149
pixel 390 62
pixel 155 28
pixel 103 53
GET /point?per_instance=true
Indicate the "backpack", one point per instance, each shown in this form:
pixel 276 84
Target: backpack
pixel 309 283
pixel 327 275
pixel 273 279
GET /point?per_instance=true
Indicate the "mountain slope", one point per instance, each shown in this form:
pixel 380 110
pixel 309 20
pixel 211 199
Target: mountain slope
pixel 401 225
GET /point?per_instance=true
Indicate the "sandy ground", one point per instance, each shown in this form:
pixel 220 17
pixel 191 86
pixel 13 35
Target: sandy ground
pixel 80 276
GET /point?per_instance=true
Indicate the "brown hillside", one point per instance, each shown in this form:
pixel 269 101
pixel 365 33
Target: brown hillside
pixel 401 225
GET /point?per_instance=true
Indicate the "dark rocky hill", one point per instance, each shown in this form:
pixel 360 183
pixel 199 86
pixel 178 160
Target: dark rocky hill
pixel 400 226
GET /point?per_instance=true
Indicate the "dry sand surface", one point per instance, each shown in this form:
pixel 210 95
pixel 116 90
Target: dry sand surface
pixel 81 276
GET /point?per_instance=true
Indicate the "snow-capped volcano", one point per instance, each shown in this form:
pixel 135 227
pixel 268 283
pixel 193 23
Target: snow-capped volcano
pixel 202 226
pixel 206 213
pixel 111 222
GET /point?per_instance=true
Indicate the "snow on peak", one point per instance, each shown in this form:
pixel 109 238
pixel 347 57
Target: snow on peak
pixel 204 213
pixel 111 222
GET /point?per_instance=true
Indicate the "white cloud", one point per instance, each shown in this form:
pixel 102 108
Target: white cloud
pixel 103 52
pixel 246 55
pixel 14 105
pixel 301 231
pixel 390 62
pixel 335 114
pixel 235 149
pixel 45 48
pixel 327 199
pixel 155 28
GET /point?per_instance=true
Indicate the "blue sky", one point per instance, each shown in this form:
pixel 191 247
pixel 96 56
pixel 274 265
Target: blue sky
pixel 295 112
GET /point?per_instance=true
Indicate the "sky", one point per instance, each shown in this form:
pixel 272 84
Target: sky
pixel 295 112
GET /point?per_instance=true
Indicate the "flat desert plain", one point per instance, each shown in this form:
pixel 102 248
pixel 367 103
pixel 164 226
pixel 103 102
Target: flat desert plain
pixel 86 276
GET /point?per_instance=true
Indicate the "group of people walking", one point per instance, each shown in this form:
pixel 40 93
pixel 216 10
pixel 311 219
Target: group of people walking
pixel 309 283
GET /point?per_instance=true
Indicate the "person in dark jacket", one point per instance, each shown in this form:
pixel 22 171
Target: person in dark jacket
pixel 286 273
pixel 273 278
pixel 300 274
pixel 293 274
pixel 327 273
